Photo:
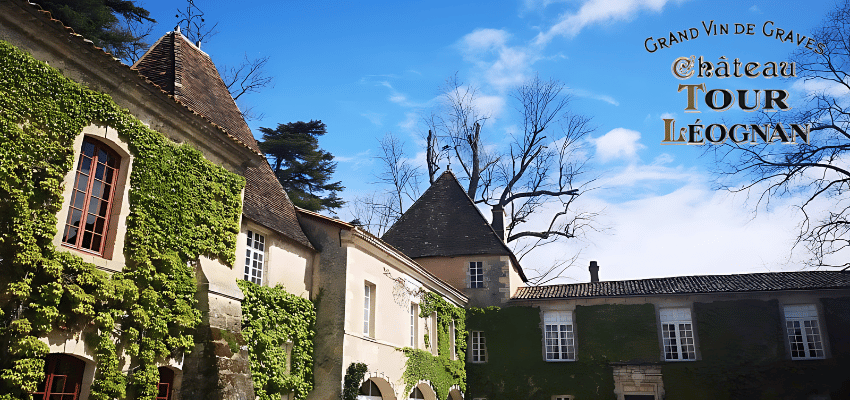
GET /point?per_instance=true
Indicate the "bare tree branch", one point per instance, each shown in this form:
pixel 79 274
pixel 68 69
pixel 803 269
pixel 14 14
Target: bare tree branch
pixel 249 77
pixel 814 173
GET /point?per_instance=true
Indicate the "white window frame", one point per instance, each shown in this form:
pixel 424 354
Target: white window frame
pixel 678 335
pixel 803 332
pixel 562 397
pixel 559 340
pixel 414 324
pixel 255 257
pixel 368 309
pixel 477 347
pixel 476 274
pixel 452 342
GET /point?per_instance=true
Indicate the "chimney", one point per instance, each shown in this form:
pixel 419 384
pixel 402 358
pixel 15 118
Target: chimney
pixel 499 221
pixel 594 272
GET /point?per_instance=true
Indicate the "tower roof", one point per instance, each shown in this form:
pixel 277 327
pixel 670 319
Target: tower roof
pixel 444 221
pixel 182 70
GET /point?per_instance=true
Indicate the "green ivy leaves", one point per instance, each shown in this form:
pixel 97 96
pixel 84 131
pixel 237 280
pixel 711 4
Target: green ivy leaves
pixel 182 207
pixel 271 318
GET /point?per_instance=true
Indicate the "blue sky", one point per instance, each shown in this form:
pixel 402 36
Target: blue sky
pixel 369 68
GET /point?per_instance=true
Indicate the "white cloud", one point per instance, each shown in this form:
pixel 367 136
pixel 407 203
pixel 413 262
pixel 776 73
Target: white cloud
pixel 755 9
pixel 691 230
pixel 491 106
pixel 501 66
pixel 812 87
pixel 590 95
pixel 618 143
pixel 597 11
pixel 481 40
pixel 373 117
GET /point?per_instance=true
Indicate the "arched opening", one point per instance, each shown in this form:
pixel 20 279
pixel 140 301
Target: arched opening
pixel 423 391
pixel 165 386
pixel 455 394
pixel 369 391
pixel 64 378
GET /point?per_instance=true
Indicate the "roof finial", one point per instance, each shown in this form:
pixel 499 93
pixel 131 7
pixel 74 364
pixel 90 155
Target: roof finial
pixel 177 29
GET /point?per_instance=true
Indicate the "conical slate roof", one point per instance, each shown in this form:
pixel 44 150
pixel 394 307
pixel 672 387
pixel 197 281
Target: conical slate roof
pixel 444 222
pixel 182 70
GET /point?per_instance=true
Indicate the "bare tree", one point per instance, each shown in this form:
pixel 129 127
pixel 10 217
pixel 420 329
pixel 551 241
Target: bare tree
pixel 817 171
pixel 538 177
pixel 249 77
pixel 378 211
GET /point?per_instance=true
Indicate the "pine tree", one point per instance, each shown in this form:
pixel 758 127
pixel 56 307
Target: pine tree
pixel 303 169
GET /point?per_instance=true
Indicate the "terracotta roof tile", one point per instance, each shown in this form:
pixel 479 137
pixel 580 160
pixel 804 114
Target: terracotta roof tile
pixel 184 71
pixel 768 281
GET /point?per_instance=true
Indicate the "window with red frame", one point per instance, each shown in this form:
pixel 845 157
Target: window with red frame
pixel 64 378
pixel 92 198
pixel 165 385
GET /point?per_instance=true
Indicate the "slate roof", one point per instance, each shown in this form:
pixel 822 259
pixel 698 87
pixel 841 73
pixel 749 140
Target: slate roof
pixel 268 204
pixel 444 221
pixel 181 69
pixel 759 282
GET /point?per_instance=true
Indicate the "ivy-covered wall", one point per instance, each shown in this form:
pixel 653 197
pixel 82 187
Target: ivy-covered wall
pixel 515 368
pixel 271 318
pixel 445 369
pixel 743 353
pixel 181 207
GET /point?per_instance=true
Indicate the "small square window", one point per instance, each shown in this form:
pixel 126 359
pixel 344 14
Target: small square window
pixel 803 331
pixel 677 334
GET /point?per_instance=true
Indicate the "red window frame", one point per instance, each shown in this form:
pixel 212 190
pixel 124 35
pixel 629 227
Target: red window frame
pixel 165 385
pixel 92 198
pixel 64 378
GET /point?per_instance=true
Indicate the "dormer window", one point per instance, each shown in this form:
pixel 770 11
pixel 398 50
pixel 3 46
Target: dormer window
pixel 92 198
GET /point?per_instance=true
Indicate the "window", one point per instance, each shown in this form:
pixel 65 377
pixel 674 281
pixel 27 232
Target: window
pixel 64 378
pixel 166 384
pixel 562 397
pixel 416 394
pixel 452 342
pixel 254 257
pixel 478 348
pixel 476 274
pixel 369 309
pixel 433 333
pixel 677 334
pixel 414 314
pixel 804 336
pixel 369 391
pixel 559 336
pixel 91 198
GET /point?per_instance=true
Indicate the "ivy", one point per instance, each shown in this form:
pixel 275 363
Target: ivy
pixel 271 317
pixel 443 370
pixel 353 377
pixel 182 207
